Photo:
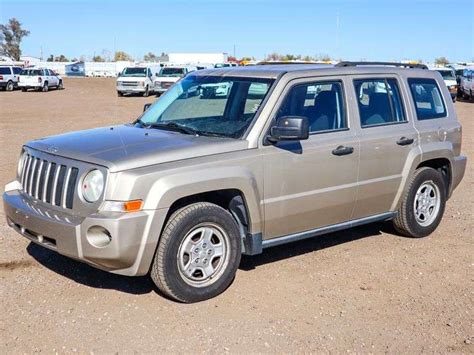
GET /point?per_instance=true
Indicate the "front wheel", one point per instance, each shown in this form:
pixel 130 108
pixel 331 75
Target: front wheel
pixel 146 93
pixel 119 94
pixel 45 87
pixel 24 89
pixel 423 204
pixel 198 253
pixel 60 85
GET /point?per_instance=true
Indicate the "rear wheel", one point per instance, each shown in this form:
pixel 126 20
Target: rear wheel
pixel 45 87
pixel 24 89
pixel 10 86
pixel 198 253
pixel 423 205
pixel 60 85
pixel 119 93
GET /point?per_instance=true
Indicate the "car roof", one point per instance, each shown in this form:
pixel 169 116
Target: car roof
pixel 277 70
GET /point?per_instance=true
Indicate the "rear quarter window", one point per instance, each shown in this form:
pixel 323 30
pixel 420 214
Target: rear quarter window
pixel 5 70
pixel 428 99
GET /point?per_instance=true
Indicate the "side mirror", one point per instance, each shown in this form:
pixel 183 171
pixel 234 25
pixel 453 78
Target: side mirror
pixel 289 128
pixel 146 107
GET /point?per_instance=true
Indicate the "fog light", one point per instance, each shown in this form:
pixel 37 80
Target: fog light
pixel 98 236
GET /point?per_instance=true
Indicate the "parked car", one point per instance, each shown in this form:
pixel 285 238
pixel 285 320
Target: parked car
pixel 171 74
pixel 9 75
pixel 467 83
pixel 458 71
pixel 40 79
pixel 137 80
pixel 449 77
pixel 191 185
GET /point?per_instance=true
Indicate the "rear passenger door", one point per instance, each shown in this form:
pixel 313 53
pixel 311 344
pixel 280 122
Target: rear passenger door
pixel 387 137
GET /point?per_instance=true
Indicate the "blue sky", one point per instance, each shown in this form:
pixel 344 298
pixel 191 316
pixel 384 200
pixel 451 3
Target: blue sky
pixel 371 30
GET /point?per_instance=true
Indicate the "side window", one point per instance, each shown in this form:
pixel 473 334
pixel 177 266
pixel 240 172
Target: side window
pixel 321 102
pixel 16 70
pixel 5 70
pixel 428 99
pixel 255 95
pixel 379 101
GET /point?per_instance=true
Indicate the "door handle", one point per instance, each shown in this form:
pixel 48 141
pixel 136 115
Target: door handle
pixel 341 150
pixel 405 141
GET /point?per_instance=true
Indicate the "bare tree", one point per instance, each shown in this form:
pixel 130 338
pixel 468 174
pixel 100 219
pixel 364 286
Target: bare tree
pixel 122 56
pixel 150 57
pixel 11 37
pixel 97 58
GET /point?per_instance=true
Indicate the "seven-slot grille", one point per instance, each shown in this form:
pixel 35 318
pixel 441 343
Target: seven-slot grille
pixel 48 181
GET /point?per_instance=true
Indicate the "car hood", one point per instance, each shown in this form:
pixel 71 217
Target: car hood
pixel 449 82
pixel 127 147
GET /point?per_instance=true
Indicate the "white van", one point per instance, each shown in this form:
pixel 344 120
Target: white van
pixel 171 74
pixel 449 77
pixel 467 83
pixel 137 80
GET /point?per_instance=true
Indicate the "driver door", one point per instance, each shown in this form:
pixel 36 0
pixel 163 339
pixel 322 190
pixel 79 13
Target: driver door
pixel 311 183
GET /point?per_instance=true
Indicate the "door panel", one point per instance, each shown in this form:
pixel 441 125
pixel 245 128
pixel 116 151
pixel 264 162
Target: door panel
pixel 387 136
pixel 306 185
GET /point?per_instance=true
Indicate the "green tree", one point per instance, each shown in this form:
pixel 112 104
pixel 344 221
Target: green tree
pixel 441 61
pixel 11 36
pixel 61 58
pixel 98 58
pixel 122 56
pixel 50 58
pixel 150 57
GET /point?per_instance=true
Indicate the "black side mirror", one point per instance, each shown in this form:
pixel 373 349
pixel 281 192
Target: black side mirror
pixel 146 107
pixel 289 128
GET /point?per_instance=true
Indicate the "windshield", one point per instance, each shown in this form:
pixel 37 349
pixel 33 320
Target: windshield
pixel 447 74
pixel 30 72
pixel 172 72
pixel 134 72
pixel 208 105
pixel 459 72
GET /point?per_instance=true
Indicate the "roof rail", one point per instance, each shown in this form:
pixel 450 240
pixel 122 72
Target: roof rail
pixel 403 65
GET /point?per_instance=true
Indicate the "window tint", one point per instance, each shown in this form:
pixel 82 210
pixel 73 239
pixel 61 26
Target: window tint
pixel 321 102
pixel 428 100
pixel 379 101
pixel 5 70
pixel 16 70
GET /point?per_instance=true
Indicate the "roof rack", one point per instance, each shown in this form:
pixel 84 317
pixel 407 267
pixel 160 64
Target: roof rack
pixel 403 65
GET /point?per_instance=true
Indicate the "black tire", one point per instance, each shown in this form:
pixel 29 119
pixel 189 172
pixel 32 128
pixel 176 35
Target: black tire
pixel 45 87
pixel 119 93
pixel 147 92
pixel 405 222
pixel 60 85
pixel 165 271
pixel 10 86
pixel 24 89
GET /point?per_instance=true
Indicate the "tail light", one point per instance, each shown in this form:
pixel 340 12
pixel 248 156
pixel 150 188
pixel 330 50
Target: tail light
pixel 1 77
pixel 39 79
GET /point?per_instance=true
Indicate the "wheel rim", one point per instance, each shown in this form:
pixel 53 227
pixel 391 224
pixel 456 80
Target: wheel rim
pixel 203 255
pixel 427 203
pixel 10 87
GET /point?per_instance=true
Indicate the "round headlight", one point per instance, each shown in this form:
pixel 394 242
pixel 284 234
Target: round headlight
pixel 92 185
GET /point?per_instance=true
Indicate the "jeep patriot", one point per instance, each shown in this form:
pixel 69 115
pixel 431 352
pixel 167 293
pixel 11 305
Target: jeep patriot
pixel 236 160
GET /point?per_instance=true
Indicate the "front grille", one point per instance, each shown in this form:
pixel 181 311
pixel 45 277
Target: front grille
pixel 129 83
pixel 48 181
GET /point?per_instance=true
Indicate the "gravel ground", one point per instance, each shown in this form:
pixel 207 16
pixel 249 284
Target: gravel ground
pixel 361 290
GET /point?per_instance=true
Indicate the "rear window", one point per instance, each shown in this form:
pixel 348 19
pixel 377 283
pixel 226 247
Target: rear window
pixel 428 99
pixel 5 70
pixel 30 72
pixel 380 102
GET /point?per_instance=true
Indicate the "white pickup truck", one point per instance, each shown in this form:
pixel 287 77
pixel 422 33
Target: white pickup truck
pixel 40 79
pixel 170 75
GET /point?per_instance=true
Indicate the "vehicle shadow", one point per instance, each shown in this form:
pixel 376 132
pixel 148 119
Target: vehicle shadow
pixel 315 244
pixel 87 275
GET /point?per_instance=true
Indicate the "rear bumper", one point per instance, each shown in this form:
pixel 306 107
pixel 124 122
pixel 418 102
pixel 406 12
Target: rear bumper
pixel 133 237
pixel 30 86
pixel 458 170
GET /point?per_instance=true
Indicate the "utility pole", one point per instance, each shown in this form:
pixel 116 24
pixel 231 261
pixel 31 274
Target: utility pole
pixel 234 51
pixel 41 53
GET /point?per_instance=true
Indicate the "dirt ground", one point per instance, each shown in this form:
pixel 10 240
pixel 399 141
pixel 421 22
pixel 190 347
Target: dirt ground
pixel 361 290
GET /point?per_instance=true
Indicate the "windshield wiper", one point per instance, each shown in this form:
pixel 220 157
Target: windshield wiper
pixel 173 126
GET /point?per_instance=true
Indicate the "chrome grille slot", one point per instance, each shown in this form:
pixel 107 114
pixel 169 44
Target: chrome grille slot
pixel 49 181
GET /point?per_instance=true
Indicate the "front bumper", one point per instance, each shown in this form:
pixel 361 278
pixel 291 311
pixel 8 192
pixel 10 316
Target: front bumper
pixel 131 89
pixel 133 236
